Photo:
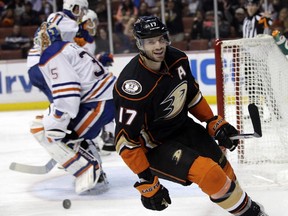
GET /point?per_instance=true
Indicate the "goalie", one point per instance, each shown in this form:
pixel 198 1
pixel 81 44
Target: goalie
pixel 80 92
pixel 155 136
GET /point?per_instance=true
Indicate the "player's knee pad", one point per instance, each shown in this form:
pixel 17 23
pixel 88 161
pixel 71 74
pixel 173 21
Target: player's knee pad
pixel 208 175
pixel 236 201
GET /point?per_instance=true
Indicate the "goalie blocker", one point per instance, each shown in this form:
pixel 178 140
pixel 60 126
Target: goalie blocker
pixel 78 157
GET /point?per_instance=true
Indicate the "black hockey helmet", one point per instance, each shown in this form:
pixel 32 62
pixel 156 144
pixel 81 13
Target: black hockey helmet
pixel 148 27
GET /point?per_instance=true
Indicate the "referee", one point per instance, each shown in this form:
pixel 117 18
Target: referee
pixel 256 22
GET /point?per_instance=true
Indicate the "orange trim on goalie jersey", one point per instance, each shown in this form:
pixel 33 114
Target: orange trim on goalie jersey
pixel 66 90
pixel 96 91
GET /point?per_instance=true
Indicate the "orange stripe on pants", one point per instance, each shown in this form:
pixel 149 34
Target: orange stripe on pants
pixel 91 117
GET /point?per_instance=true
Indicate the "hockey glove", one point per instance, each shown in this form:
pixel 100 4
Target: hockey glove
pixel 222 131
pixel 153 195
pixel 55 124
pixel 105 58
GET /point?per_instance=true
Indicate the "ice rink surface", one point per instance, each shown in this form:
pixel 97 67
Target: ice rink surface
pixel 42 195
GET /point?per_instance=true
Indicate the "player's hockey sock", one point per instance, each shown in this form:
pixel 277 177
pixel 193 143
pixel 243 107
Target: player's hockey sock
pixel 235 201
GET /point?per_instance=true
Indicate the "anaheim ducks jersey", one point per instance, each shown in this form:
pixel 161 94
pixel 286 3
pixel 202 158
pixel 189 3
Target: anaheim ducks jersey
pixel 151 106
pixel 74 76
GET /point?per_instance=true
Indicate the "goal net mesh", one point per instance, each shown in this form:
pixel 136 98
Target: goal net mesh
pixel 254 71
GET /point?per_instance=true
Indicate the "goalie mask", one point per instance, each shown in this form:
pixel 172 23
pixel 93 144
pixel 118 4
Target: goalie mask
pixel 91 22
pixel 45 35
pixel 149 27
pixel 78 8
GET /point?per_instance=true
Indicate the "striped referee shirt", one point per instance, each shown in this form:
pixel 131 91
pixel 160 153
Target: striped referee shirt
pixel 252 27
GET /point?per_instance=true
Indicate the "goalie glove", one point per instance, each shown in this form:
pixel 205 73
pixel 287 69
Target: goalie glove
pixel 55 124
pixel 154 196
pixel 221 130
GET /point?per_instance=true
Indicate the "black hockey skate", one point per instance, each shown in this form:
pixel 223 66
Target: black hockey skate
pixel 108 140
pixel 255 210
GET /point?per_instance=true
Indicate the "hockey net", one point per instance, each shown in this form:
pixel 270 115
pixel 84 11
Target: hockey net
pixel 255 71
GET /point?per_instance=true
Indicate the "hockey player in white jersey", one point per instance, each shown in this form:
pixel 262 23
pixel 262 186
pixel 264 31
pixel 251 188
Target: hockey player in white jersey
pixel 67 21
pixel 80 90
pixel 85 37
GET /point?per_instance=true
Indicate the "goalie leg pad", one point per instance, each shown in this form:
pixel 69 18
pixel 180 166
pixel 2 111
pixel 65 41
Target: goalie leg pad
pixel 88 176
pixel 63 154
pixel 37 129
pixel 87 180
pixel 83 163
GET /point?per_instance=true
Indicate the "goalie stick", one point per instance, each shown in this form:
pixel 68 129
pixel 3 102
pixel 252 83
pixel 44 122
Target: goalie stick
pixel 255 118
pixel 33 169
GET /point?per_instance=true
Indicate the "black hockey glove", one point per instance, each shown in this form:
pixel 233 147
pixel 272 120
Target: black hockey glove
pixel 154 196
pixel 222 131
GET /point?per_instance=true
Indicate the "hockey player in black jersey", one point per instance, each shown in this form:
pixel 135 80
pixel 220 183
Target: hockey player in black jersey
pixel 155 136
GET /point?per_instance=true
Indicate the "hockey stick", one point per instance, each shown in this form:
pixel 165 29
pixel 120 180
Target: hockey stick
pixel 255 118
pixel 33 169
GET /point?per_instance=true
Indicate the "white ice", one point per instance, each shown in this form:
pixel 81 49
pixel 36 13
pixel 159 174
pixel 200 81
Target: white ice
pixel 42 195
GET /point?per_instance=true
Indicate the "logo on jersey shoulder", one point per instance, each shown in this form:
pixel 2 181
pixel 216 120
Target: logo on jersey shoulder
pixel 177 155
pixel 132 87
